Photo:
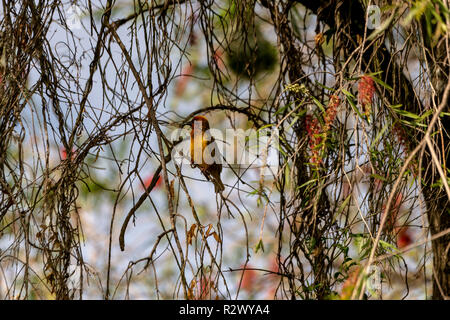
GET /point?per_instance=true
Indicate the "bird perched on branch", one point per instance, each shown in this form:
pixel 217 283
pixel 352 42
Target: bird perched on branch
pixel 204 152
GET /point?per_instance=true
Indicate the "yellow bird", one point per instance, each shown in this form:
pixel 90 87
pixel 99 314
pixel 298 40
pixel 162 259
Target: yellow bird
pixel 200 140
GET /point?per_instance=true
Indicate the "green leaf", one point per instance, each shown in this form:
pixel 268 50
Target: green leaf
pixel 347 93
pixel 259 246
pixel 317 102
pixel 375 73
pixel 379 135
pixel 306 183
pixel 266 126
pixel 352 103
pixel 287 176
pixel 293 122
pixel 426 115
pixel 407 114
pixel 280 110
pixel 382 83
pixel 416 12
pixel 302 113
pixel 344 204
pixel 387 246
pixel 378 177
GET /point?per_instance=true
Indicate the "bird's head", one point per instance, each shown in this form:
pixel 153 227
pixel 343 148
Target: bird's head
pixel 199 122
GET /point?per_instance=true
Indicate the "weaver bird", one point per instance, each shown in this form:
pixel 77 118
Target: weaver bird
pixel 203 152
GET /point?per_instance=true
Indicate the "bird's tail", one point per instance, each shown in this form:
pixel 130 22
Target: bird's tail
pixel 218 185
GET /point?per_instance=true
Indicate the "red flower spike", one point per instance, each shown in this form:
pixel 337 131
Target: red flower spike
pixel 366 90
pixel 183 81
pixel 350 283
pixel 204 289
pixel 313 130
pixel 400 135
pixel 248 279
pixel 149 179
pixel 63 153
pixel 331 112
pixel 318 134
pixel 404 238
pixel 218 59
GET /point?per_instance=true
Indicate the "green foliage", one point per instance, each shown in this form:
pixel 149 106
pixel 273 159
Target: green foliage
pixel 250 54
pixel 433 14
